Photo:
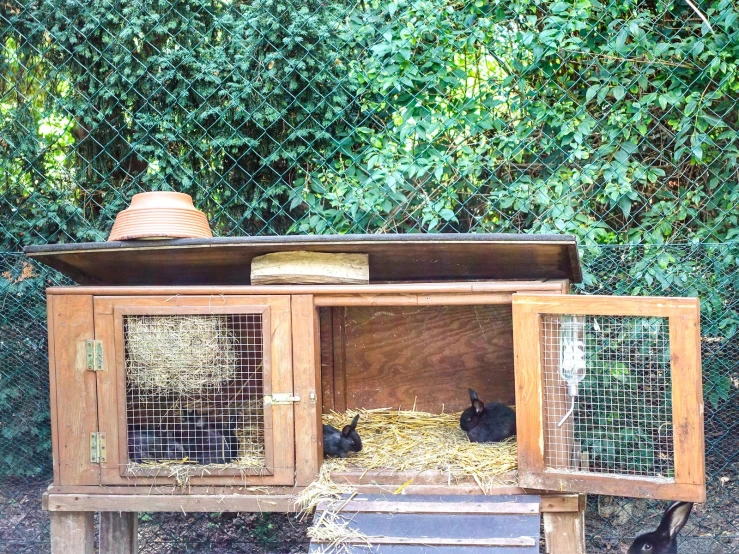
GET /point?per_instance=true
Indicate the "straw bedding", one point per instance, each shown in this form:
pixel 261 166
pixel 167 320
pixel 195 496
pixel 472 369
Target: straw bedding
pixel 185 354
pixel 413 441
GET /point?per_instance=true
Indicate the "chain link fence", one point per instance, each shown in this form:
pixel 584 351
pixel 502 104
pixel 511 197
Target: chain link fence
pixel 615 121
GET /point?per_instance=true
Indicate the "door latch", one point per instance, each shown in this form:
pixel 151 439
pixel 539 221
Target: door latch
pixel 280 398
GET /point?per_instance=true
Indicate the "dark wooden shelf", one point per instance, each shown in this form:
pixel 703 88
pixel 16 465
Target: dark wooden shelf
pixel 392 258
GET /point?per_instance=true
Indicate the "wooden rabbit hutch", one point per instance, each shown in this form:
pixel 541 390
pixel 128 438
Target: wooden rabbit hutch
pixel 166 352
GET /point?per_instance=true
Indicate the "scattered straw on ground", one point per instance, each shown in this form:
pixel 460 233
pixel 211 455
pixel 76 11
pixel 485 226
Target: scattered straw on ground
pixel 333 533
pixel 183 354
pixel 413 441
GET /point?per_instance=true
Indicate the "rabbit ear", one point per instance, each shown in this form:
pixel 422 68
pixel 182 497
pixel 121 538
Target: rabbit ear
pixel 354 422
pixel 675 518
pixel 479 406
pixel 473 396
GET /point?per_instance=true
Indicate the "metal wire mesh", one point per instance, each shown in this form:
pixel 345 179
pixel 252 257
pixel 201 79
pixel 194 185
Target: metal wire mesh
pixel 617 419
pixel 194 389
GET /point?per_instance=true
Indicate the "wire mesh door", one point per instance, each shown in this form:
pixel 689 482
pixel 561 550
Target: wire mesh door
pixel 610 397
pixel 191 386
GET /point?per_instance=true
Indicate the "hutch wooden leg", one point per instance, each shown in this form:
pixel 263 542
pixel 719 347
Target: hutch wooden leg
pixel 119 532
pixel 564 532
pixel 72 532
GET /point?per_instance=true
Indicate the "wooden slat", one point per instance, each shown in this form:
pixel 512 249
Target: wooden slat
pixel 169 490
pixel 616 485
pixel 226 260
pixel 283 419
pixel 76 400
pixel 72 533
pixel 389 507
pixel 306 382
pixel 359 476
pixel 326 352
pixel 338 336
pixel 529 393
pixel 649 306
pixel 441 299
pixel 119 532
pixel 440 541
pixel 53 389
pixel 170 503
pixel 424 287
pixel 564 533
pixel 687 399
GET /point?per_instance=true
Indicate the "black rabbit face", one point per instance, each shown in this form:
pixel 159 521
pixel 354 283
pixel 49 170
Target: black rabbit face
pixel 647 544
pixel 469 419
pixel 352 440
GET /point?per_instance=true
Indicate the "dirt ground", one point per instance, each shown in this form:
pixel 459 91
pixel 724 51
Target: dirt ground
pixel 24 526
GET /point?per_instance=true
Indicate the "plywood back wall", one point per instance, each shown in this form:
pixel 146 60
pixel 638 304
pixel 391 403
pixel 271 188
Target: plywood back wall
pixel 393 357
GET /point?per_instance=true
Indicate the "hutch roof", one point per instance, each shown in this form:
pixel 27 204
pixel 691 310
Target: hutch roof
pixel 392 258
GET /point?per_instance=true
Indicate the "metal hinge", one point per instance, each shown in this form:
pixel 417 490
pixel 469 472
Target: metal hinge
pixel 94 355
pixel 97 448
pixel 280 398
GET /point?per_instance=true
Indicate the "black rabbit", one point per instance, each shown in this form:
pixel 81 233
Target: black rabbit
pixel 493 422
pixel 339 444
pixel 664 539
pixel 154 446
pixel 207 443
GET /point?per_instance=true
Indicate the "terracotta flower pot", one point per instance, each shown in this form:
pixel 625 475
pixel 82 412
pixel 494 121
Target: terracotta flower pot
pixel 160 215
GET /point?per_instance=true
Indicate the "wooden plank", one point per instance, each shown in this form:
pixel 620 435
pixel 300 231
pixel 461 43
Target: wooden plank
pixel 529 392
pixel 53 389
pixel 426 287
pixel 390 507
pixel 119 533
pixel 650 306
pixel 169 489
pixel 72 533
pixel 615 485
pixel 428 299
pixel 440 541
pixel 338 334
pixel 564 533
pixel 283 418
pixel 326 352
pixel 359 476
pixel 309 268
pixel 409 257
pixel 307 385
pixel 438 489
pixel 111 398
pixel 534 287
pixel 425 357
pixel 170 503
pixel 687 400
pixel 76 390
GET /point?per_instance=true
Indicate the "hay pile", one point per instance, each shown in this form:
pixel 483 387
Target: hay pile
pixel 413 441
pixel 184 354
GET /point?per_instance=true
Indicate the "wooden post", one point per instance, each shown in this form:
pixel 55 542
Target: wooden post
pixel 72 532
pixel 564 532
pixel 119 532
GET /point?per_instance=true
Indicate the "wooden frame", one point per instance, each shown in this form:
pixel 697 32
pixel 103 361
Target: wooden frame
pixel 277 371
pixel 687 399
